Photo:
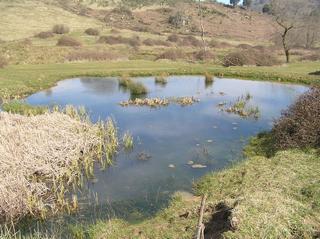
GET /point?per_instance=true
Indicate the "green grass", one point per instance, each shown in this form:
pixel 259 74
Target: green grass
pixel 20 107
pixel 22 80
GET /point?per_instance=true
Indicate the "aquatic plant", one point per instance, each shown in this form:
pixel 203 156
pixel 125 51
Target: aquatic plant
pixel 161 79
pixel 43 157
pixel 185 101
pixel 241 107
pixel 127 141
pixel 135 88
pixel 208 77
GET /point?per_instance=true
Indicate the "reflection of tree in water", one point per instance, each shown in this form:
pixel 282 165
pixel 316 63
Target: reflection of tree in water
pixel 100 86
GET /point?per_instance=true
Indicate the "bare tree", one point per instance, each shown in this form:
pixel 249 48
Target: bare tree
pixel 289 15
pixel 200 13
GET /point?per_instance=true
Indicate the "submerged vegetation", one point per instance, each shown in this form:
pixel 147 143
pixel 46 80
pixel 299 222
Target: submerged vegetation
pixel 43 157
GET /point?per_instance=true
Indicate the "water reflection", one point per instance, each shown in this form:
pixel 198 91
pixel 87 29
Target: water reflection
pixel 172 135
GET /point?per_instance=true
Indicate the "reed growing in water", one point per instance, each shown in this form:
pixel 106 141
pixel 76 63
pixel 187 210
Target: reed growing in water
pixel 135 88
pixel 43 157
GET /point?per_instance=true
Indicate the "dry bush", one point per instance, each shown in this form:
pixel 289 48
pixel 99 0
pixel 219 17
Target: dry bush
pixel 112 40
pixel 3 62
pixel 172 54
pixel 203 55
pixel 191 41
pixel 250 57
pixel 155 42
pixel 92 32
pixel 312 57
pixel 68 41
pixel 42 156
pixel 173 38
pixel 92 55
pixel 216 44
pixel 244 46
pixel 114 31
pixel 44 35
pixel 299 126
pixel 60 29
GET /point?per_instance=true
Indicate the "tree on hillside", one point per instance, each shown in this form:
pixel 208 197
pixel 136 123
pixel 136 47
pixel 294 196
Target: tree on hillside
pixel 234 2
pixel 247 3
pixel 289 15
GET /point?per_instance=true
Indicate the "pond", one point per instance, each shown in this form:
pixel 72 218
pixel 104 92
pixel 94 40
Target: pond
pixel 170 136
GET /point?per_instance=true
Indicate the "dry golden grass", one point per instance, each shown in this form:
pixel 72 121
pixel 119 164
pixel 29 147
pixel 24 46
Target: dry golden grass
pixel 39 17
pixel 42 156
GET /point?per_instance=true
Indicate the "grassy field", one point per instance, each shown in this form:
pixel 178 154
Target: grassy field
pixel 21 80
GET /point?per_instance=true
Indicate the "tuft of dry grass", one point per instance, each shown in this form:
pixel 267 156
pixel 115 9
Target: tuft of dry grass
pixel 42 156
pixel 60 29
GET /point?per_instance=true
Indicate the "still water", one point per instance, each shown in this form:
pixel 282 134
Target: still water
pixel 172 135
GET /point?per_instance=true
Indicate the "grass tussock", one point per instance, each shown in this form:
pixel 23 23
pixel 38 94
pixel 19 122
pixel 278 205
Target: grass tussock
pixel 203 55
pixel 209 78
pixel 60 29
pixel 68 41
pixel 299 126
pixel 43 157
pixel 44 35
pixel 135 88
pixel 189 41
pixel 92 32
pixel 127 141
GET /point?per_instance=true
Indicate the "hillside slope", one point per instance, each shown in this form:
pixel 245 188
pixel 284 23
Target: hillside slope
pixel 24 18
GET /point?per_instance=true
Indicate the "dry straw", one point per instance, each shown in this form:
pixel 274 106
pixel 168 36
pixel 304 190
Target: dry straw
pixel 42 156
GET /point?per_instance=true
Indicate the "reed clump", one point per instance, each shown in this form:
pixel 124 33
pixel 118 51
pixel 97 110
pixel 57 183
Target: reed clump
pixel 135 88
pixel 43 157
pixel 127 141
pixel 162 79
pixel 209 78
pixel 241 107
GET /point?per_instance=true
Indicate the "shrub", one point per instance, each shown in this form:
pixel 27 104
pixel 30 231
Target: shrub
pixel 60 29
pixel 154 42
pixel 299 126
pixel 250 57
pixel 191 41
pixel 244 46
pixel 68 41
pixel 203 55
pixel 313 57
pixel 173 38
pixel 92 32
pixel 215 44
pixel 45 35
pixel 172 54
pixel 91 55
pixel 3 62
pixel 112 40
